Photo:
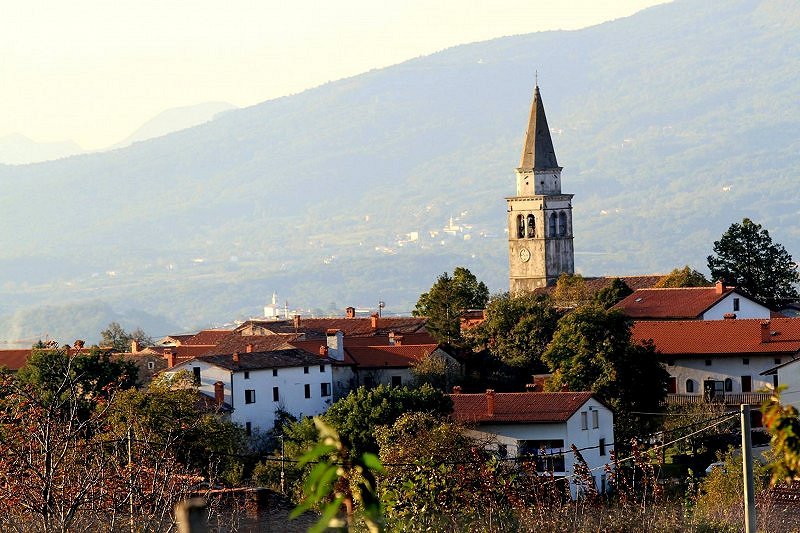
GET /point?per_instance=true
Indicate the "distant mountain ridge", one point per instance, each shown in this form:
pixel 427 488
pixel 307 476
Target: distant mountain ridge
pixel 670 124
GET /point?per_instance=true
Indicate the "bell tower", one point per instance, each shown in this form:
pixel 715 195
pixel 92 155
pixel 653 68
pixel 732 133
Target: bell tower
pixel 539 215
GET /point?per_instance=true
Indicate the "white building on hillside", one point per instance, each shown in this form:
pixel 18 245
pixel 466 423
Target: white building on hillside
pixel 543 426
pixel 256 384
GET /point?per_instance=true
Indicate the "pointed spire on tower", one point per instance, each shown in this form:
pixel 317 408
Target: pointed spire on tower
pixel 538 152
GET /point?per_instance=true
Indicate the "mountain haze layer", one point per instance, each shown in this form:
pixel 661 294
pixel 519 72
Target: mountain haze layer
pixel 670 124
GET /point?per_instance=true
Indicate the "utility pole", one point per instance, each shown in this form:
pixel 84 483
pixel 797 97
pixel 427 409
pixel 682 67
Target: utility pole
pixel 747 471
pixel 283 462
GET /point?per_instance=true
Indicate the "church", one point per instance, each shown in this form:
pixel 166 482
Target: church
pixel 540 244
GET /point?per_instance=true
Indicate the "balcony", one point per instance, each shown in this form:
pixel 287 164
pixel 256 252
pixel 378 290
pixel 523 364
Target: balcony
pixel 728 398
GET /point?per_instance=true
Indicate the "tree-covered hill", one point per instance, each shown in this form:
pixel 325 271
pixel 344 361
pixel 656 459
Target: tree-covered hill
pixel 671 124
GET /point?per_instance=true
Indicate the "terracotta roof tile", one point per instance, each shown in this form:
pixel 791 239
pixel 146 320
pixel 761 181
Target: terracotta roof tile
pixel 518 407
pixel 389 356
pixel 674 303
pixel 720 337
pixel 234 342
pixel 260 360
pixel 14 359
pixel 351 327
pixel 207 337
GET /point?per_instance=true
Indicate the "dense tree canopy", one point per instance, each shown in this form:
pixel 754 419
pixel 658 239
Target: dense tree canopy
pixel 570 291
pixel 683 277
pixel 592 350
pixel 746 257
pixel 608 296
pixel 115 336
pixel 447 299
pixel 516 331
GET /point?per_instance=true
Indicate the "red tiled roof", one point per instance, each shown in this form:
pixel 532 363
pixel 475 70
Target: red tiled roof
pixel 280 358
pixel 676 303
pixel 182 353
pixel 207 337
pixel 719 337
pixel 518 407
pixel 594 285
pixel 234 342
pixel 351 327
pixel 180 339
pixel 389 356
pixel 14 359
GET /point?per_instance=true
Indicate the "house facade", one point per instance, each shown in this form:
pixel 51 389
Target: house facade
pixel 721 359
pixel 257 384
pixel 542 427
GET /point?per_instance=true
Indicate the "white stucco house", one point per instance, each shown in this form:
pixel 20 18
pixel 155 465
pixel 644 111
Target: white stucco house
pixel 691 303
pixel 542 426
pixel 256 384
pixel 718 360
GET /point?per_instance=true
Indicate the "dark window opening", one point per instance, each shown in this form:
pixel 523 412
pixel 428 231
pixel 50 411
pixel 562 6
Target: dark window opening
pixel 673 385
pixel 547 454
pixel 602 446
pixel 777 360
pixel 708 362
pixel 747 384
pixel 322 368
pixel 324 389
pixel 728 385
pixel 562 223
pixel 274 372
pixel 196 373
pixel 502 451
pixel 249 396
pixel 553 224
pixel 736 304
pixel 520 227
pixel 746 361
pixel 775 380
pixel 246 374
pixel 305 370
pixel 307 389
pixel 397 381
pixel 531 226
pixel 275 394
pixel 690 385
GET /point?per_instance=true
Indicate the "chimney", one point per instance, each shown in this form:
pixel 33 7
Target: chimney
pixel 398 340
pixel 235 357
pixel 323 351
pixel 490 402
pixel 729 316
pixel 765 334
pixel 374 321
pixel 391 338
pixel 219 393
pixel 457 389
pixel 350 312
pixel 296 322
pixel 335 344
pixel 134 346
pixel 170 357
pixel 564 388
pixel 249 348
pixel 720 287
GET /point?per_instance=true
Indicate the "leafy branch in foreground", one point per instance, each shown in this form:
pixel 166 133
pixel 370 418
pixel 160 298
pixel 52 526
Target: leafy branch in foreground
pixel 333 475
pixel 784 426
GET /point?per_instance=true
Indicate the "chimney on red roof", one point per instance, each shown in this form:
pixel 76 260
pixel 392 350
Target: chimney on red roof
pixel 219 393
pixel 374 321
pixel 350 312
pixel 720 287
pixel 135 346
pixel 564 388
pixel 490 402
pixel 296 322
pixel 457 389
pixel 249 348
pixel 765 334
pixel 323 350
pixel 398 340
pixel 729 316
pixel 170 357
pixel 235 357
pixel 334 339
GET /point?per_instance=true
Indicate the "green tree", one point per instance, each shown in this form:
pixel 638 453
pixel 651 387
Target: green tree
pixel 570 291
pixel 115 337
pixel 447 299
pixel 516 330
pixel 607 297
pixel 746 256
pixel 683 277
pixel 592 350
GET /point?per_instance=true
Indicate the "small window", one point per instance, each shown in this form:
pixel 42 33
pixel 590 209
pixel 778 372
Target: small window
pixel 595 419
pixel 746 361
pixel 736 304
pixel 775 380
pixel 397 381
pixel 584 420
pixel 324 389
pixel 520 227
pixel 708 362
pixel 307 388
pixel 777 360
pixel 150 365
pixel 274 372
pixel 246 374
pixel 322 368
pixel 275 394
pixel 531 226
pixel 747 384
pixel 249 396
pixel 728 385
pixel 248 428
pixel 305 370
pixel 602 446
pixel 196 373
pixel 689 385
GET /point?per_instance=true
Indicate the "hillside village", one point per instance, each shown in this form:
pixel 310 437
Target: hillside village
pixel 701 353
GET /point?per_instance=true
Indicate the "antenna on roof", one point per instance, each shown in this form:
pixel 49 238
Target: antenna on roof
pixel 536 77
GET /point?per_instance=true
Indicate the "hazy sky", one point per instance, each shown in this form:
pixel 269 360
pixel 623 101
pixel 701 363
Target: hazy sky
pixel 95 70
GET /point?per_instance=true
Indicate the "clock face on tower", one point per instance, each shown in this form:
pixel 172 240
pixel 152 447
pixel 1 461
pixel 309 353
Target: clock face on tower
pixel 524 255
